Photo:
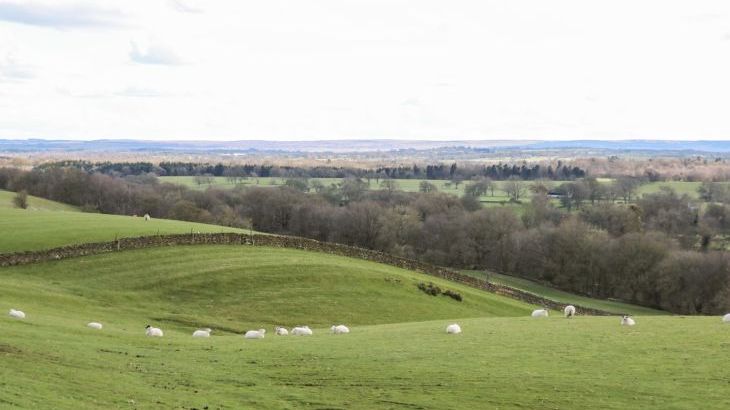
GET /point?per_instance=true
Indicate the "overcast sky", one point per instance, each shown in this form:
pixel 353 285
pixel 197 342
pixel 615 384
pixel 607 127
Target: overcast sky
pixel 337 69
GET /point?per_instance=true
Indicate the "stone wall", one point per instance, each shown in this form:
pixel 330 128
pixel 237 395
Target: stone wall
pixel 289 242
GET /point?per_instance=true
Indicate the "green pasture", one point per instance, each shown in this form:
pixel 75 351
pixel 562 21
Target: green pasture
pixel 397 355
pixel 47 224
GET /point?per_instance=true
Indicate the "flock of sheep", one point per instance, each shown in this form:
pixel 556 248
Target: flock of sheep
pixel 453 328
pixel 251 334
pixel 569 312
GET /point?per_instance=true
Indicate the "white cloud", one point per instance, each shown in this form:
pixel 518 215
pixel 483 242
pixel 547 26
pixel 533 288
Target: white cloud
pixel 288 69
pixel 140 92
pixel 13 70
pixel 57 15
pixel 154 54
pixel 184 6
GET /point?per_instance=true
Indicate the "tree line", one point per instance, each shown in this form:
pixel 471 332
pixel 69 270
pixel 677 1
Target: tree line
pixel 657 251
pixel 524 171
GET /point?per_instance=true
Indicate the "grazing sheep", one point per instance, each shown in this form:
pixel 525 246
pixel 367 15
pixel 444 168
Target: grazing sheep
pixel 153 331
pixel 147 217
pixel 726 318
pixel 281 331
pixel 540 313
pixel 339 329
pixel 569 311
pixel 627 321
pixel 202 332
pixel 18 314
pixel 453 329
pixel 94 325
pixel 301 331
pixel 255 334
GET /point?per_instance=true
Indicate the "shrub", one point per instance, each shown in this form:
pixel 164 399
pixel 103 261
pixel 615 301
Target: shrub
pixel 453 295
pixel 21 199
pixel 430 289
pixel 434 290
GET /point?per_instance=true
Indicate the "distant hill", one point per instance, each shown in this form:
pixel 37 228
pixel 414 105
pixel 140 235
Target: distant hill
pixel 344 146
pixel 636 145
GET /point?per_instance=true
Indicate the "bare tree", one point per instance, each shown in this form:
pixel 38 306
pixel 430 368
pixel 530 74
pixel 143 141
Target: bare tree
pixel 478 188
pixel 389 185
pixel 426 186
pixel 514 188
pixel 205 179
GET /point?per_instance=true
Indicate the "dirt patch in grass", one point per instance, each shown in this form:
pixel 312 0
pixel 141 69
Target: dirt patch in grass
pixel 9 349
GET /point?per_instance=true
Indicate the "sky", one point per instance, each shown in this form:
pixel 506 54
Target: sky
pixel 344 69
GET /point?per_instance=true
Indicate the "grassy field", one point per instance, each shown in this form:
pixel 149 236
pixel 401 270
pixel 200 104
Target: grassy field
pixel 34 203
pixel 499 198
pixel 232 287
pixel 412 185
pixel 397 355
pixel 407 185
pixel 688 188
pixel 564 297
pixel 47 224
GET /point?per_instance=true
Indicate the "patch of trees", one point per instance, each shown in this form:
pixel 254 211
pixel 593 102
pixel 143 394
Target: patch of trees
pixel 452 172
pixel 657 251
pixel 111 168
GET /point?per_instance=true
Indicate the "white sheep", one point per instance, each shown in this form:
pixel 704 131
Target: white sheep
pixel 339 329
pixel 453 329
pixel 540 313
pixel 726 318
pixel 255 334
pixel 281 331
pixel 94 325
pixel 202 332
pixel 301 331
pixel 627 321
pixel 153 331
pixel 16 314
pixel 569 311
pixel 147 217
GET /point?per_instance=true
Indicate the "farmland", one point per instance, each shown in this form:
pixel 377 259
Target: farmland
pixel 412 185
pixel 396 356
pixel 48 224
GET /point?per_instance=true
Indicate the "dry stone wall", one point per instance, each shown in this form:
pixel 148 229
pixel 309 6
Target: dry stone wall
pixel 289 242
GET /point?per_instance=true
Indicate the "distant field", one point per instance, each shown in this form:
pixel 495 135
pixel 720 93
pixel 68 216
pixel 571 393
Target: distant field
pixel 412 185
pixel 688 188
pixel 407 185
pixel 396 356
pixel 499 198
pixel 48 224
pixel 565 297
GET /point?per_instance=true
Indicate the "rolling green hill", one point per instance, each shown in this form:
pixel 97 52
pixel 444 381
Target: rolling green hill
pixel 34 203
pixel 234 287
pixel 47 224
pixel 397 355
